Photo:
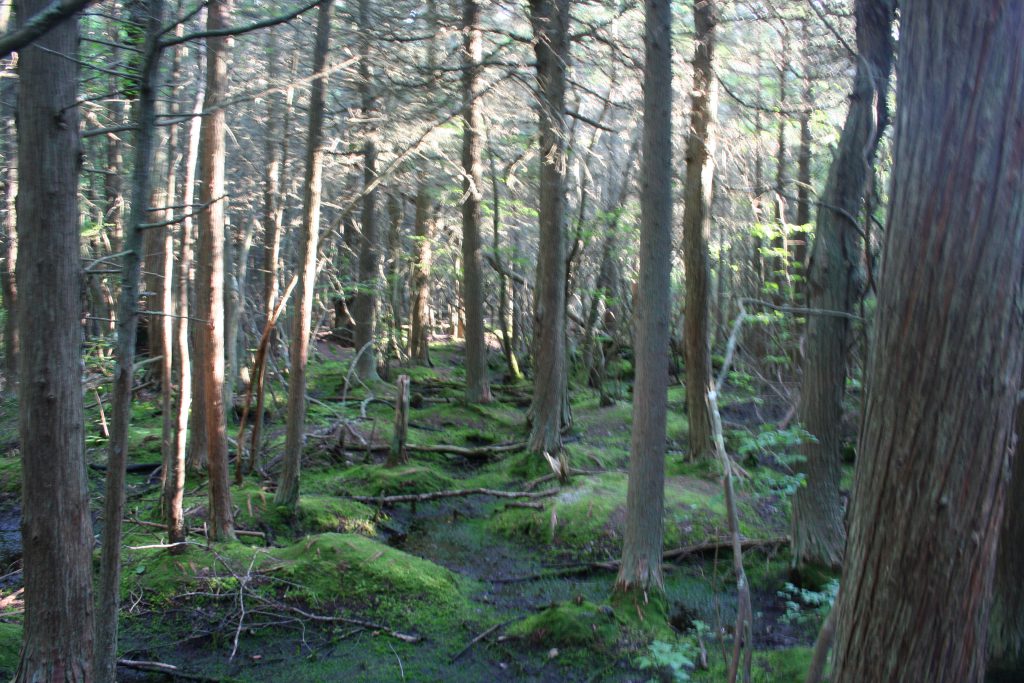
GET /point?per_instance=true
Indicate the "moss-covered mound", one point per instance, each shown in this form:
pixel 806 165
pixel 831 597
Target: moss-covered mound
pixel 377 480
pixel 590 517
pixel 570 625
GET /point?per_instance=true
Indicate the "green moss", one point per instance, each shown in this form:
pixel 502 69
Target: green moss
pixel 644 611
pixel 10 476
pixel 328 513
pixel 770 666
pixel 590 516
pixel 370 576
pixel 568 625
pixel 10 649
pixel 377 480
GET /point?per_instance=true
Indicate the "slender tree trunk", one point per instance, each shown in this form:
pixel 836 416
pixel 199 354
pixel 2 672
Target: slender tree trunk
pixel 700 169
pixel 365 308
pixel 288 485
pixel 818 532
pixel 210 275
pixel 10 246
pixel 127 326
pixel 396 216
pixel 550 22
pixel 945 370
pixel 640 573
pixel 273 207
pixel 56 526
pixel 477 385
pixel 197 443
pixel 419 332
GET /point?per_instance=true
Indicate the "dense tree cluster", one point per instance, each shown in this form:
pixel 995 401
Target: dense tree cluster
pixel 709 193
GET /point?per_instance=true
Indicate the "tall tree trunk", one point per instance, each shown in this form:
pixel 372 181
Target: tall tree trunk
pixel 419 332
pixel 478 388
pixel 550 22
pixel 273 207
pixel 151 14
pixel 365 308
pixel 640 572
pixel 10 243
pixel 210 274
pixel 396 216
pixel 288 485
pixel 197 443
pixel 56 527
pixel 818 532
pixel 700 169
pixel 945 370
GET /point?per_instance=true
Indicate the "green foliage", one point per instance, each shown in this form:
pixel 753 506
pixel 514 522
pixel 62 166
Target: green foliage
pixel 805 607
pixel 771 666
pixel 780 447
pixel 677 659
pixel 10 649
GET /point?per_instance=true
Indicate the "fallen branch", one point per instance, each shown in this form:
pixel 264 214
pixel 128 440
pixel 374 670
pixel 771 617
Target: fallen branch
pixel 674 554
pixel 479 638
pixel 160 667
pixel 461 493
pixel 163 527
pixel 405 637
pixel 467 452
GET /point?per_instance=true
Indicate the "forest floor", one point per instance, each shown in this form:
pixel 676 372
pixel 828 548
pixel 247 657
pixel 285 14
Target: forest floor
pixel 465 588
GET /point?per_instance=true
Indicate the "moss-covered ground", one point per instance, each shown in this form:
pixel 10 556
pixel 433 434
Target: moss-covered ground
pixel 469 588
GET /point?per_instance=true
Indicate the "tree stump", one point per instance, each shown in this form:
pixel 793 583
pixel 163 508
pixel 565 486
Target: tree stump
pixel 398 454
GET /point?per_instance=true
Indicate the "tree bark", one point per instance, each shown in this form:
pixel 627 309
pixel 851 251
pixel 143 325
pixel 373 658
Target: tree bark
pixel 288 485
pixel 365 308
pixel 10 243
pixel 700 169
pixel 818 532
pixel 56 526
pixel 419 331
pixel 210 275
pixel 942 387
pixel 197 444
pixel 477 385
pixel 640 572
pixel 127 326
pixel 550 22
pixel 1006 626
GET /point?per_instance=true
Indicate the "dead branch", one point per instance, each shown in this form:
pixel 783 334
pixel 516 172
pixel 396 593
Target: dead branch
pixel 461 493
pixel 673 554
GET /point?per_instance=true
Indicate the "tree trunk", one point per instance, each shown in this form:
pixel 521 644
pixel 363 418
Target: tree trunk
pixel 10 244
pixel 197 443
pixel 127 326
pixel 945 370
pixel 818 533
pixel 288 485
pixel 700 169
pixel 210 275
pixel 550 22
pixel 419 332
pixel 365 308
pixel 56 527
pixel 478 388
pixel 396 216
pixel 640 572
